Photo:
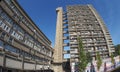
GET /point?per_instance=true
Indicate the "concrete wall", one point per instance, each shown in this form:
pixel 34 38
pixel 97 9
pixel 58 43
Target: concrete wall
pixel 13 63
pixel 38 67
pixel 28 66
pixel 58 49
pixel 1 61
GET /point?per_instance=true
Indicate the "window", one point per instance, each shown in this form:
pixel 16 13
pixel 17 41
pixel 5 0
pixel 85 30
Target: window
pixel 16 11
pixel 27 42
pixel 31 27
pixel 0 22
pixel 6 17
pixel 20 30
pixel 3 35
pixel 10 40
pixel 1 43
pixel 15 26
pixel 21 53
pixel 26 54
pixel 66 56
pixel 32 57
pixel 39 47
pixel 3 15
pixel 11 49
pixel 35 47
pixel 8 1
pixel 0 10
pixel 17 35
pixel 6 28
pixel 8 20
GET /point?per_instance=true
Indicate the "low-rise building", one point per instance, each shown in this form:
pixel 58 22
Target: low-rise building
pixel 23 46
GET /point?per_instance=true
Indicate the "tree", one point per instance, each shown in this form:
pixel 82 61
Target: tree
pixel 82 56
pixel 112 58
pixel 119 54
pixel 99 61
pixel 89 58
pixel 117 51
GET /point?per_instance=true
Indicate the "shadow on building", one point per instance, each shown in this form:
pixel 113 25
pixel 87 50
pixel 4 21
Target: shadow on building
pixel 66 66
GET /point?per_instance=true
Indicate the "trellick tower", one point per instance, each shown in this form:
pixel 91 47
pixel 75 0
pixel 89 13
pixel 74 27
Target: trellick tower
pixel 82 21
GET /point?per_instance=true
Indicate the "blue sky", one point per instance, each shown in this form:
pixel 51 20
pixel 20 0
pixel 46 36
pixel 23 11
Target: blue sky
pixel 43 13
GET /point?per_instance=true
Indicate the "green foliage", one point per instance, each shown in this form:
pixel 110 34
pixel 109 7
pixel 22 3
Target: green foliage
pixel 82 56
pixel 89 58
pixel 117 50
pixel 99 61
pixel 112 58
pixel 119 54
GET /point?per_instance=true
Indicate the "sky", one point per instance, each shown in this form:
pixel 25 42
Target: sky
pixel 43 14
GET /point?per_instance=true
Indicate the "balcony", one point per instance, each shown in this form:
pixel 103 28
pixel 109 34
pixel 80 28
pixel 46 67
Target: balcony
pixel 73 42
pixel 73 52
pixel 74 56
pixel 66 52
pixel 65 26
pixel 93 54
pixel 1 48
pixel 65 18
pixel 101 44
pixel 73 34
pixel 74 46
pixel 11 54
pixel 65 22
pixel 28 58
pixel 112 50
pixel 66 44
pixel 65 38
pixel 103 50
pixel 65 32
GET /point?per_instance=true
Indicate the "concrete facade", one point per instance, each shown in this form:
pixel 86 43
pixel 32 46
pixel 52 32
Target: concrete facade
pixel 58 57
pixel 23 46
pixel 80 21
